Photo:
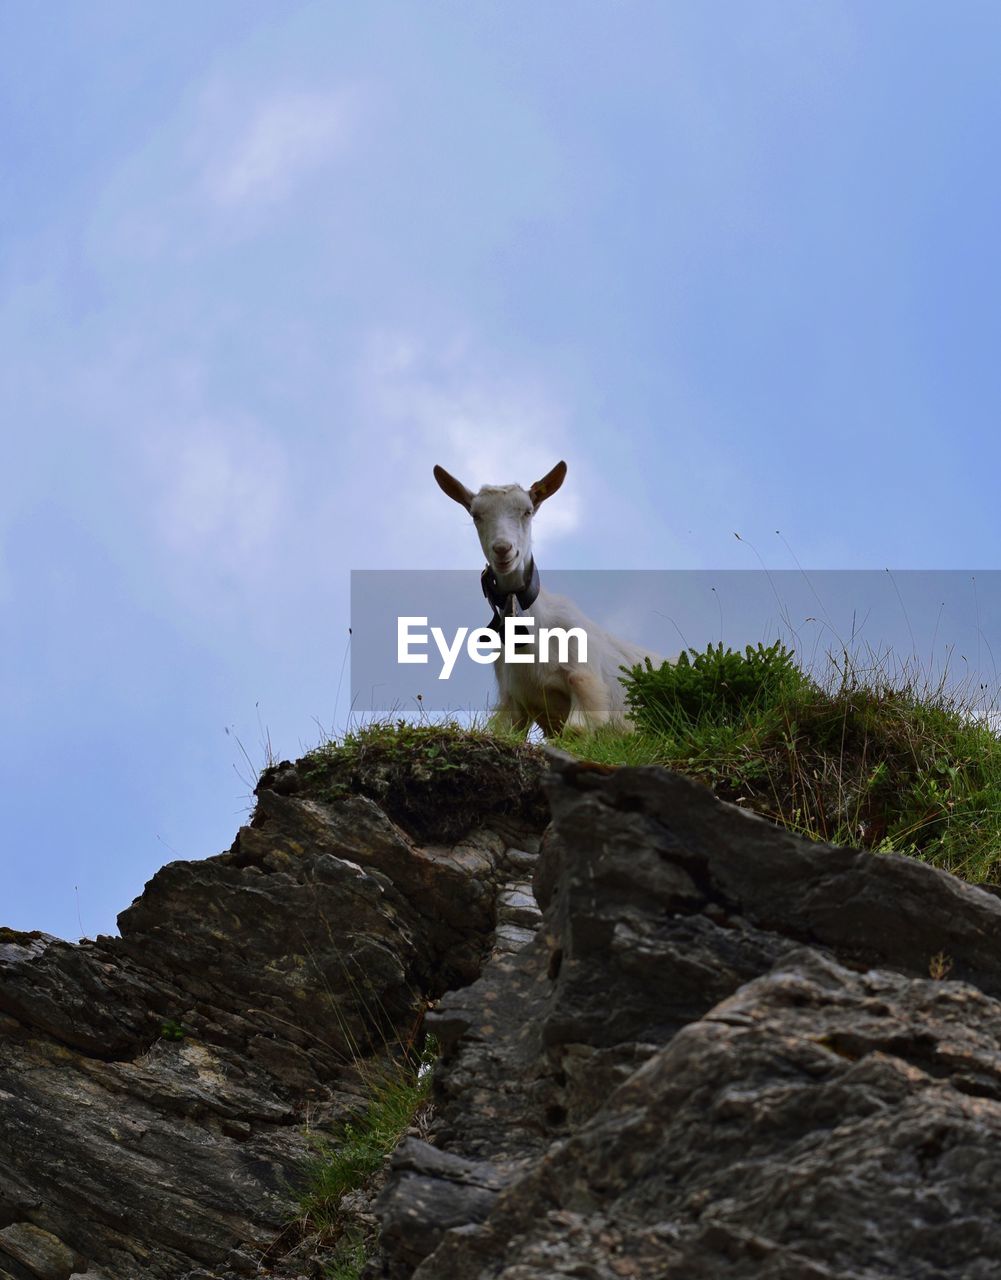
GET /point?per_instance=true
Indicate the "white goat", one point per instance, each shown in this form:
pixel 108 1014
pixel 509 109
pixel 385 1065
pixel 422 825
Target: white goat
pixel 553 694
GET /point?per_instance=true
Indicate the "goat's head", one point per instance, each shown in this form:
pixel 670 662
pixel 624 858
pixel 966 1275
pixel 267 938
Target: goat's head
pixel 503 518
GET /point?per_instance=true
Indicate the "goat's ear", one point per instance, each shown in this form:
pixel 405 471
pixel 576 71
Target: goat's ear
pixel 454 488
pixel 547 486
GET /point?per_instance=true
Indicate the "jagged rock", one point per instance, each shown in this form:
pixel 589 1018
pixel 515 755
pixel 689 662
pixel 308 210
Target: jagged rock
pixel 156 1087
pixel 436 1191
pixel 721 1056
pixel 820 1122
pixel 709 1050
pixel 42 1253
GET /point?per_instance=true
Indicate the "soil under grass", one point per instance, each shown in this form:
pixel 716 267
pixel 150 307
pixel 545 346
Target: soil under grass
pixel 436 780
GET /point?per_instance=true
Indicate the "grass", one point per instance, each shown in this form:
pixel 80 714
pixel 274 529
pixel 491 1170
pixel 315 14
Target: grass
pixel 869 757
pixel 352 1161
pixel 348 1258
pixel 347 1162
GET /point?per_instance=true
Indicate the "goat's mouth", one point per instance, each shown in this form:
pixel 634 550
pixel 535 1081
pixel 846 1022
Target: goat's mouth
pixel 504 567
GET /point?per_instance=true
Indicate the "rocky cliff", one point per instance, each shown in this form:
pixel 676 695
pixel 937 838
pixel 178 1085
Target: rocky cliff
pixel 676 1041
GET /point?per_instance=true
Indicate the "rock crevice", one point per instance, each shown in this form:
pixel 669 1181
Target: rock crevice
pixel 722 1055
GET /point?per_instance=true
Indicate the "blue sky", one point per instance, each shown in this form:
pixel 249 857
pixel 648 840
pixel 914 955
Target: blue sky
pixel 261 266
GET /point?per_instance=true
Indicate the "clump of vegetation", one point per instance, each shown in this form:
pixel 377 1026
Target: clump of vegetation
pixel 867 757
pixel 713 688
pixel 353 1160
pixel 436 780
pixel 19 937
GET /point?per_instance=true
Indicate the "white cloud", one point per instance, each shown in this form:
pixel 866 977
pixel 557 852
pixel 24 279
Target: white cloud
pixel 444 406
pixel 287 137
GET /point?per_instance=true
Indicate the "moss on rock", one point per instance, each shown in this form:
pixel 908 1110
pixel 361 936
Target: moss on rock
pixel 437 781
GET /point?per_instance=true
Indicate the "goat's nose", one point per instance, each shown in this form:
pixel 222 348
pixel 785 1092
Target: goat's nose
pixel 502 548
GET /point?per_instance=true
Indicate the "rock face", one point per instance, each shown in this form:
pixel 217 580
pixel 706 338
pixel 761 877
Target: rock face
pixel 676 1042
pixel 721 1056
pixel 156 1089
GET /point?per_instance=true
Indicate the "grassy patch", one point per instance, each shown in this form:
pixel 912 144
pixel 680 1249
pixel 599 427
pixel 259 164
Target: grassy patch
pixel 346 1163
pixel 870 758
pixel 352 1161
pixel 348 1257
pixel 436 780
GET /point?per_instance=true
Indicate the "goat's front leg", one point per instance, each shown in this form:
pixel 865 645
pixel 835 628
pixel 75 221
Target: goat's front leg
pixel 590 704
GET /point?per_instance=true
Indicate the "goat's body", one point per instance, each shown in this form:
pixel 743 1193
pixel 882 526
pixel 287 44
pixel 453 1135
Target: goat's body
pixel 571 694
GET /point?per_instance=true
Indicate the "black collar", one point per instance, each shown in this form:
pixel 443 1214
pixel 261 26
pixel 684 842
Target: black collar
pixel 500 601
